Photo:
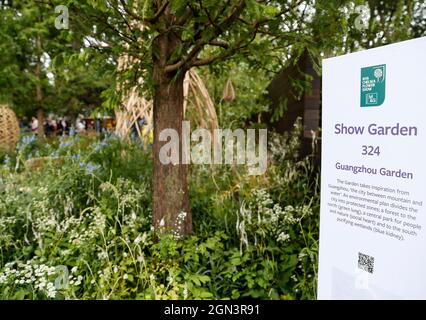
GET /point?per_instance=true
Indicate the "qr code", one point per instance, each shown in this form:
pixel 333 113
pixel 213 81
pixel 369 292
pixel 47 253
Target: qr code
pixel 365 262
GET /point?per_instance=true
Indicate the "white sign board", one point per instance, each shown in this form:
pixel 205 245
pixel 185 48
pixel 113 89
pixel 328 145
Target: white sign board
pixel 373 186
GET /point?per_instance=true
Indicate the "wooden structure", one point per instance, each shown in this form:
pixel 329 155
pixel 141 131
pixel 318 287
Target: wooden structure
pixel 134 107
pixel 198 106
pixel 306 104
pixel 9 129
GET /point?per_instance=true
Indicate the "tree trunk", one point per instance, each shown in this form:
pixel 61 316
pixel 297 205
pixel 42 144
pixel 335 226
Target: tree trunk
pixel 39 102
pixel 40 118
pixel 171 209
pixel 39 92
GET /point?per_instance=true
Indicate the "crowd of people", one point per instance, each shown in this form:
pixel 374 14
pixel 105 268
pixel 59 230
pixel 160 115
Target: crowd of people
pixel 63 126
pixel 52 127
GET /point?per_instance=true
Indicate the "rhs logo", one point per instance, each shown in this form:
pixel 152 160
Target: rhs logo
pixel 373 86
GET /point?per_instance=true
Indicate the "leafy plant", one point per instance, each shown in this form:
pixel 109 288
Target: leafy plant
pixel 80 228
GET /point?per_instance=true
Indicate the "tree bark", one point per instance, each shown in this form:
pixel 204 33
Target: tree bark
pixel 40 119
pixel 39 102
pixel 39 91
pixel 171 209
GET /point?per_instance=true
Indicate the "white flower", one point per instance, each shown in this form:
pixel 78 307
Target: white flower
pixel 185 292
pixel 3 278
pixel 138 239
pixel 125 277
pixel 74 269
pixel 283 237
pixel 51 293
pixel 181 216
pixel 103 255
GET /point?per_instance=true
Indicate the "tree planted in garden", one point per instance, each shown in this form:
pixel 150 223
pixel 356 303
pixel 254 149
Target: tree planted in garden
pixel 170 37
pixel 167 38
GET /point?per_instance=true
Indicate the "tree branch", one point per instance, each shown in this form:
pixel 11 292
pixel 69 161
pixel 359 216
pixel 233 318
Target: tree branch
pixel 158 14
pixel 149 20
pixel 200 43
pixel 228 53
pixel 232 17
pixel 212 22
pixel 121 14
pixel 219 43
pixel 185 17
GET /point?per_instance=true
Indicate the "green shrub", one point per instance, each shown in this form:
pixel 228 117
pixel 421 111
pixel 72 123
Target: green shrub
pixel 81 228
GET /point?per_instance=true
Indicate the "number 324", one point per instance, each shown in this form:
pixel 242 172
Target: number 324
pixel 370 151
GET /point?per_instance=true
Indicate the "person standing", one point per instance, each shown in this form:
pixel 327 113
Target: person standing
pixel 34 125
pixel 55 128
pixel 80 125
pixel 98 125
pixel 64 126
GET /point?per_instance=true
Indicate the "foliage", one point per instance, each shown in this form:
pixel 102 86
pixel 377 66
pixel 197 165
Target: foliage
pixel 29 44
pixel 88 208
pixel 78 64
pixel 249 84
pixel 76 212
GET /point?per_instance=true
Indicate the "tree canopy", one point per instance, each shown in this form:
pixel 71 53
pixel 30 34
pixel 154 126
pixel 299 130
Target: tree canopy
pixel 68 69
